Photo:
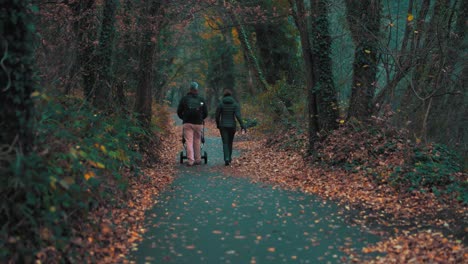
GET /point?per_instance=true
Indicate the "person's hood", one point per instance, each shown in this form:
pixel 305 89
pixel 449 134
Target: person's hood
pixel 228 100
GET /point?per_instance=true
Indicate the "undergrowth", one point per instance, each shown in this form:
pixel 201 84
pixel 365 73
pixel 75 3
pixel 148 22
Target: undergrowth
pixel 387 155
pixel 282 106
pixel 375 148
pixel 434 167
pixel 76 165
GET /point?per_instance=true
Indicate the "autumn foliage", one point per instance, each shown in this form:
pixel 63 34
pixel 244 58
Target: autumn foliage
pixel 82 154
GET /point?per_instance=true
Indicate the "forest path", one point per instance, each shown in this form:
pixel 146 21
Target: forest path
pixel 208 217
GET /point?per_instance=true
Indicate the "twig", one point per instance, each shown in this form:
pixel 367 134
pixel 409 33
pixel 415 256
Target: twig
pixel 5 56
pixel 10 148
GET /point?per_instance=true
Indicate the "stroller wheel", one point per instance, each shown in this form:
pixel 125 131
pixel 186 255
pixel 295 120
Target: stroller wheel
pixel 181 157
pixel 205 157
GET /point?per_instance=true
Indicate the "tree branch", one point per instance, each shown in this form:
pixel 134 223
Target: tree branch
pixel 5 56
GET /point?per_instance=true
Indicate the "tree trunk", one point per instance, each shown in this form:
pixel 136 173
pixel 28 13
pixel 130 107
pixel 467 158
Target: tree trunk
pixel 227 62
pixel 300 19
pixel 124 54
pixel 145 79
pixel 248 51
pixel 85 32
pixel 145 82
pixel 104 56
pixel 16 80
pixel 321 51
pixel 364 23
pixel 434 70
pixel 87 61
pixel 221 69
pixel 408 53
pixel 275 50
pixel 163 74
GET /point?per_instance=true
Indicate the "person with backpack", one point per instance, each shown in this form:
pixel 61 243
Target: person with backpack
pixel 227 112
pixel 192 110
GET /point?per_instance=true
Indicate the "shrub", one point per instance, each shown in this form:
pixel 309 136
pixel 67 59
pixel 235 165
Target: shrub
pixel 434 167
pixel 280 108
pixel 75 166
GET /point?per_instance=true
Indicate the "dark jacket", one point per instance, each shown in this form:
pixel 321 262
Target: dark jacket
pixel 183 110
pixel 227 112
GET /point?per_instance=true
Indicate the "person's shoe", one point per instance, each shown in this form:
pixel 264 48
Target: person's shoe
pixel 190 164
pixel 226 163
pixel 197 163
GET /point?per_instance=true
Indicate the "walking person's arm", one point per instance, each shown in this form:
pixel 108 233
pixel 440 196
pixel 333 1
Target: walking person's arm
pixel 218 116
pixel 181 109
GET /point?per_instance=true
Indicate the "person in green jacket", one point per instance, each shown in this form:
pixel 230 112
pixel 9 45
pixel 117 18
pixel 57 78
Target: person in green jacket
pixel 227 112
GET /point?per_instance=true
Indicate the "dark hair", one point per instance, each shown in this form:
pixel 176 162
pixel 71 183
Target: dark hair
pixel 227 92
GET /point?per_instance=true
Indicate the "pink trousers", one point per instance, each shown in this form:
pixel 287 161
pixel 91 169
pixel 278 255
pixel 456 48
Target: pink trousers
pixel 192 135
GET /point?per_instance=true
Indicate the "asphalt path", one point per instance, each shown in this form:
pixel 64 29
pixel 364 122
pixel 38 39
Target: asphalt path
pixel 208 217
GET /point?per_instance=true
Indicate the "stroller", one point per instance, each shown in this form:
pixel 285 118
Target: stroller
pixel 204 155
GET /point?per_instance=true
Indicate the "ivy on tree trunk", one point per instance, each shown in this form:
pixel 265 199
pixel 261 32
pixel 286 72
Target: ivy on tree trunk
pixel 104 56
pixel 321 51
pixel 364 23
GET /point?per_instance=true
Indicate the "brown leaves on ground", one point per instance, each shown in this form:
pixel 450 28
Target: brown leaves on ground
pixel 378 201
pixel 265 164
pixel 112 230
pixel 211 129
pixel 423 247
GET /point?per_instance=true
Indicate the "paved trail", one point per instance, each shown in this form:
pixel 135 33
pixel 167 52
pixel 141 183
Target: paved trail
pixel 207 217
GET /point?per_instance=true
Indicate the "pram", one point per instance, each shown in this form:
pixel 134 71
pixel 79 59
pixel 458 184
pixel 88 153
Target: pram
pixel 183 154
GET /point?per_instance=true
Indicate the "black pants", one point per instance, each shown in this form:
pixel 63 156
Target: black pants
pixel 227 135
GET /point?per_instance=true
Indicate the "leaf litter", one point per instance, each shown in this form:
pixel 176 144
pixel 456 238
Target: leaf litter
pixel 113 230
pixel 407 220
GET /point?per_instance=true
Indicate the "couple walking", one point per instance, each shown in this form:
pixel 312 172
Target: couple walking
pixel 193 110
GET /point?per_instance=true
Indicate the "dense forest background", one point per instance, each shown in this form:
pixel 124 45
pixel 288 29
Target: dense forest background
pixel 84 85
pixel 408 57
